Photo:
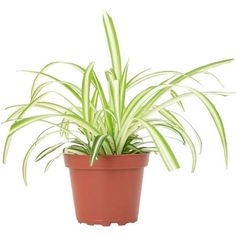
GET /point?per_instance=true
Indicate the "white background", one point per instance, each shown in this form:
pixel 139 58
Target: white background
pixel 177 35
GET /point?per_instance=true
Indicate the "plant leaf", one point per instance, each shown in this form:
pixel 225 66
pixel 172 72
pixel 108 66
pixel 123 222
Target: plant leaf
pixel 163 147
pixel 50 162
pixel 216 118
pixel 175 95
pixel 113 45
pixel 200 70
pixel 48 150
pixel 86 91
pixel 67 85
pixel 97 144
pixel 122 88
pixel 170 117
pixel 104 103
pixel 38 74
pixel 179 79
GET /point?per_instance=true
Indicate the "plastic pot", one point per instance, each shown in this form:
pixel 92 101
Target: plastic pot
pixel 109 191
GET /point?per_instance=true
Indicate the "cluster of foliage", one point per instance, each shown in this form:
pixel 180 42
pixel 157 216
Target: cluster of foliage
pixel 97 124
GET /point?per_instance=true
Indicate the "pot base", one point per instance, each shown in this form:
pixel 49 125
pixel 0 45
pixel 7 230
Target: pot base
pixel 108 222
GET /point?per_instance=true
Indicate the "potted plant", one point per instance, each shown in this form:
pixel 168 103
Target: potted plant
pixel 102 132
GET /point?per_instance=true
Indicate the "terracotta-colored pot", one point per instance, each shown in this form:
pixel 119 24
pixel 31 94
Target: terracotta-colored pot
pixel 109 191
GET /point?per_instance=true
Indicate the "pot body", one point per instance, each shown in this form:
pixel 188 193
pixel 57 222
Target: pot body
pixel 109 191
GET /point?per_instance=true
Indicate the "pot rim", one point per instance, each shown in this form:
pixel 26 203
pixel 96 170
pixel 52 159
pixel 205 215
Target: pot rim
pixel 117 161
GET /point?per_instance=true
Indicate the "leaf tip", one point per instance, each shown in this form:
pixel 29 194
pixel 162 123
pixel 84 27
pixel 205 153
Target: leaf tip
pixel 25 181
pixel 105 14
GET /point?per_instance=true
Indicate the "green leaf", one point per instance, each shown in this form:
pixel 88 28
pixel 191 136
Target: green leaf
pixel 17 112
pixel 52 106
pixel 41 137
pixel 104 103
pixel 178 80
pixel 199 140
pixel 111 125
pixel 180 97
pixel 163 147
pixel 114 95
pixel 175 95
pixel 97 144
pixel 191 146
pixel 200 70
pixel 41 72
pixel 136 80
pixel 173 128
pixel 71 88
pixel 29 120
pixel 170 117
pixel 113 45
pixel 215 77
pixel 136 77
pixel 6 148
pixel 48 151
pixel 76 91
pixel 122 88
pixel 50 162
pixel 216 118
pixel 86 91
pixel 75 149
pixel 132 111
pixel 93 107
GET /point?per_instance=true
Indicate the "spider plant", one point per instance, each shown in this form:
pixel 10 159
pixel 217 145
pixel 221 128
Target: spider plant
pixel 101 120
